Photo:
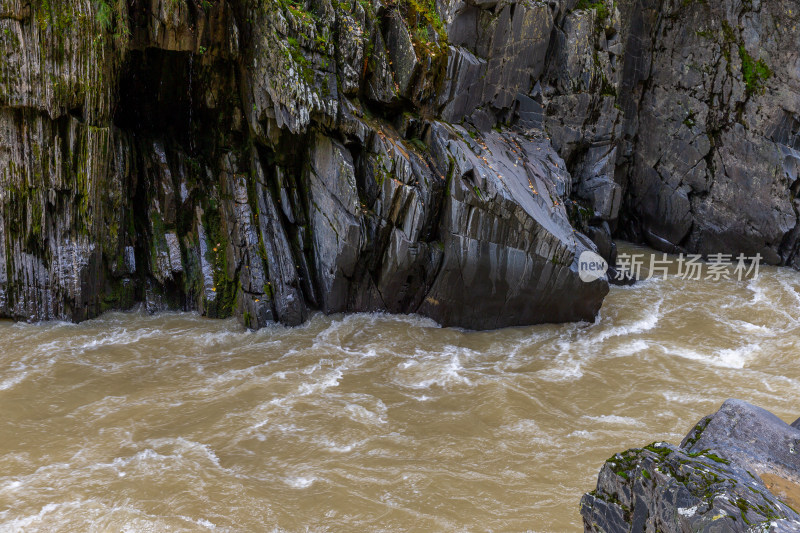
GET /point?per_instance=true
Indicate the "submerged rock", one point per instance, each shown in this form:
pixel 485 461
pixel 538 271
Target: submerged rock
pixel 737 470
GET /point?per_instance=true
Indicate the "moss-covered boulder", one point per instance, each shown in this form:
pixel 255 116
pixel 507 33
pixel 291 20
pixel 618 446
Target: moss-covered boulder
pixel 737 470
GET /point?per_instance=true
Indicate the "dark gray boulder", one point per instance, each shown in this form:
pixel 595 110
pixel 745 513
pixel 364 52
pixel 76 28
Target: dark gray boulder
pixel 510 253
pixel 737 470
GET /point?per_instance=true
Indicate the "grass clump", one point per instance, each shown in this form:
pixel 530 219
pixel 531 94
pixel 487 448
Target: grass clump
pixel 755 72
pixel 600 8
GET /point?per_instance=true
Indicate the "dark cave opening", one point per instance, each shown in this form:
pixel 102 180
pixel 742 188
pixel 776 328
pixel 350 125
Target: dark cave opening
pixel 158 104
pixel 156 96
pixel 181 98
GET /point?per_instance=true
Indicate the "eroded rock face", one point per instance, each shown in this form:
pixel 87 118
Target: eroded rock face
pixel 716 170
pixel 737 470
pixel 267 159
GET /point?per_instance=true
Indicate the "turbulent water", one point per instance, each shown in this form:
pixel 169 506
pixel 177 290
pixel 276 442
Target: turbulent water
pixel 371 422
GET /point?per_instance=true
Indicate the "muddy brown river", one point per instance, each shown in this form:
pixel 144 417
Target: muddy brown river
pixel 371 422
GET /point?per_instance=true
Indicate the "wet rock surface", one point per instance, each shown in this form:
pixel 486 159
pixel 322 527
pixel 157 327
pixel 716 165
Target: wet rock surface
pixel 266 159
pixel 716 170
pixel 737 470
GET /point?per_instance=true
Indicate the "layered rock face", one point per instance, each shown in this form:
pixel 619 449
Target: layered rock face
pixel 712 128
pixel 737 470
pixel 268 158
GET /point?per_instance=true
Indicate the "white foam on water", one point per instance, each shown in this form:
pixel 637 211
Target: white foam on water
pixel 104 407
pixel 217 338
pixel 97 515
pixel 328 380
pixel 789 288
pixel 421 397
pixel 259 425
pixel 205 523
pixel 683 398
pixel 756 286
pixel 748 327
pixel 202 522
pixel 240 374
pixel 340 449
pixel 361 414
pixel 380 317
pixel 433 369
pixel 613 419
pixel 508 472
pixel 300 482
pixel 12 485
pixel 631 348
pixel 646 323
pixel 121 337
pixel 569 370
pixel 17 525
pixel 144 456
pixel 359 337
pixel 165 454
pixel 62 345
pixel 335 447
pixel 735 358
pixel 508 353
pixel 36 326
pixel 280 428
pixel 190 445
pixel 689 354
pixel 578 345
pixel 13 381
pixel 525 427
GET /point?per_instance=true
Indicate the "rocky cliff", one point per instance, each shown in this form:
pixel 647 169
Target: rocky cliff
pixel 737 470
pixel 267 158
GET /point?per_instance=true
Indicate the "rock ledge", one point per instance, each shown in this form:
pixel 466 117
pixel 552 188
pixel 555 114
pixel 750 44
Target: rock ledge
pixel 737 470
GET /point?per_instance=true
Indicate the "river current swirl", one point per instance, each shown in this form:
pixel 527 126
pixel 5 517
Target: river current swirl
pixel 371 422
